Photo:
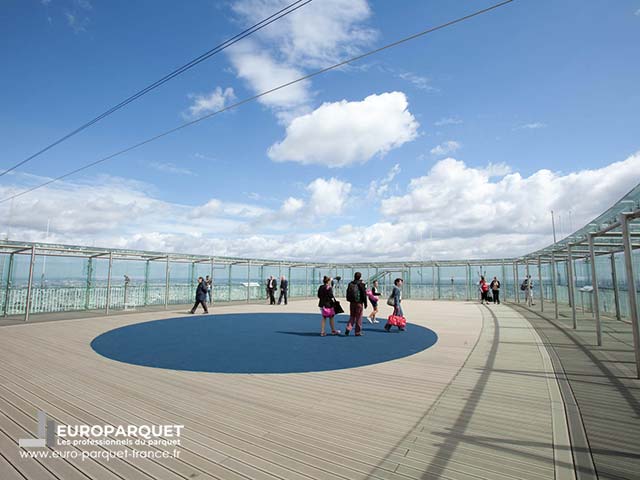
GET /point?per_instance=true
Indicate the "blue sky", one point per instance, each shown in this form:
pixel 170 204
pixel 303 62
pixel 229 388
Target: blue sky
pixel 530 87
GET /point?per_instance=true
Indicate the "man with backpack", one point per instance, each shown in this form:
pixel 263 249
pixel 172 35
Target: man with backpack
pixel 357 298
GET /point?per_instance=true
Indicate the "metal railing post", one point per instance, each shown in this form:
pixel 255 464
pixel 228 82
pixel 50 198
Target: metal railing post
pixel 616 291
pixel 146 283
pixel 30 284
pixel 166 284
pixel 8 287
pixel 109 283
pixel 88 287
pixel 594 283
pixel 515 282
pixel 249 279
pixel 541 285
pixel 570 284
pixel 631 288
pixel 433 280
pixel 554 287
pixel 468 281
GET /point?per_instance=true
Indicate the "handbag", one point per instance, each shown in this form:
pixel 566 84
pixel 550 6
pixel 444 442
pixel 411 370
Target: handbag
pixel 327 312
pixel 397 321
pixel 337 308
pixel 391 301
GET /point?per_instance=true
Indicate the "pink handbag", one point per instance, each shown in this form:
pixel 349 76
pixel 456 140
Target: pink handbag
pixel 327 312
pixel 397 321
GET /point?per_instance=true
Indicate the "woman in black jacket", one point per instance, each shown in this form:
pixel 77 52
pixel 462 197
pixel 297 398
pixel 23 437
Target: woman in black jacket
pixel 325 294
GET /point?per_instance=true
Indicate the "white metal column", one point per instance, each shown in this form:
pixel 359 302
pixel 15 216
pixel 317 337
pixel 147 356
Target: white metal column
pixel 594 283
pixel 570 286
pixel 109 283
pixel 631 286
pixel 27 307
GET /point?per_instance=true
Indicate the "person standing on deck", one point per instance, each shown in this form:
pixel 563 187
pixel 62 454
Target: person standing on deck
pixel 484 290
pixel 357 298
pixel 326 304
pixel 284 286
pixel 374 298
pixel 271 290
pixel 529 291
pixel 201 296
pixel 396 296
pixel 495 290
pixel 209 283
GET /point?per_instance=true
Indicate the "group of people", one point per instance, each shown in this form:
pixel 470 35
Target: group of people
pixel 272 286
pixel 491 291
pixel 485 288
pixel 358 297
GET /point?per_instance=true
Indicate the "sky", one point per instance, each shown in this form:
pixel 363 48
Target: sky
pixel 457 144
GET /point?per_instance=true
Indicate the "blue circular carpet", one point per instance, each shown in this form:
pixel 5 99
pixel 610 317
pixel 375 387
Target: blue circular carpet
pixel 257 343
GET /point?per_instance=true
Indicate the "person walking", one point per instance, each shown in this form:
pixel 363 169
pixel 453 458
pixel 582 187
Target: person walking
pixel 284 286
pixel 396 297
pixel 209 283
pixel 201 296
pixel 495 290
pixel 271 290
pixel 326 302
pixel 374 297
pixel 357 298
pixel 529 291
pixel 484 290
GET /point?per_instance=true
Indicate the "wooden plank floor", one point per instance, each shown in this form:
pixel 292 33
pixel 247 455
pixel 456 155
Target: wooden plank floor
pixel 603 380
pixel 452 411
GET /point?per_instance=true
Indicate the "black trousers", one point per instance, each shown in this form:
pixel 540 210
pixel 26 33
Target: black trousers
pixel 283 293
pixel 200 302
pixel 496 296
pixel 272 298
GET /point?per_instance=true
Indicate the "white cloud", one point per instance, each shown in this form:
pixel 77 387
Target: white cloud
pixel 446 148
pixel 316 35
pixel 263 73
pixel 531 126
pixel 497 169
pixel 346 133
pixel 328 196
pixel 168 167
pixel 453 211
pixel 378 188
pixel 637 13
pixel 208 103
pixel 418 81
pixel 448 121
pixel 458 201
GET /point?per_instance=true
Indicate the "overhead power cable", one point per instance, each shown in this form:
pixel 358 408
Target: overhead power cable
pixel 259 95
pixel 217 49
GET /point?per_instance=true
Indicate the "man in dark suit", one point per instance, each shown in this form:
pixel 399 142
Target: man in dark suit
pixel 271 289
pixel 201 296
pixel 284 286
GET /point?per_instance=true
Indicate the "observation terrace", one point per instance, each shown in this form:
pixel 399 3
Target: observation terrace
pixel 101 337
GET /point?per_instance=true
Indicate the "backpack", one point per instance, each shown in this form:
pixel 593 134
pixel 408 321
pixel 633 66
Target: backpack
pixel 484 287
pixel 523 287
pixel 353 293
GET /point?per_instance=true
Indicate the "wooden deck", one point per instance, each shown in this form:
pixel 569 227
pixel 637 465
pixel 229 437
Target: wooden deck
pixel 604 385
pixel 454 411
